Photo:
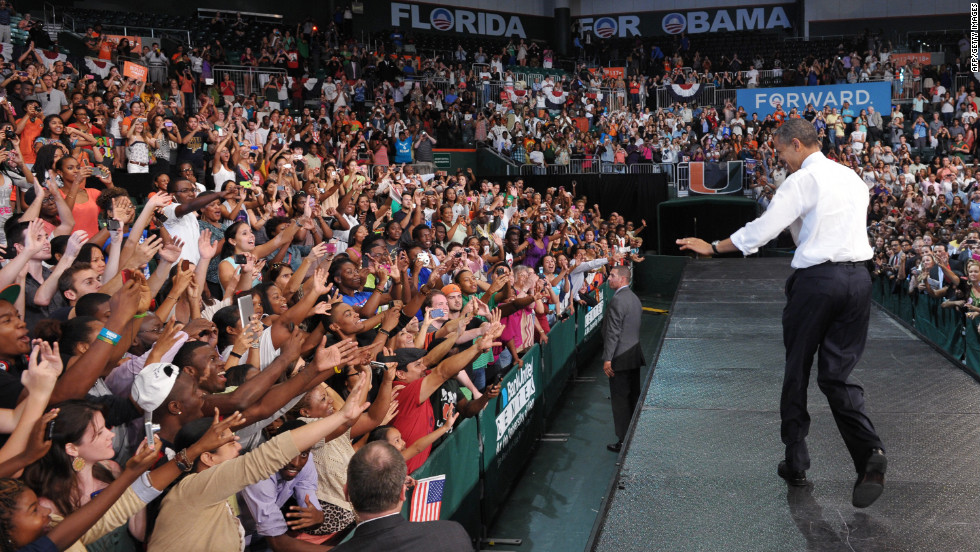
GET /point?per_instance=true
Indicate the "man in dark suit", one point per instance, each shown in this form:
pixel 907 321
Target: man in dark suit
pixel 377 482
pixel 947 271
pixel 622 355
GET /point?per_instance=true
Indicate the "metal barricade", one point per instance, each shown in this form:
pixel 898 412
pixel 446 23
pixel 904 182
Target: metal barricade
pixel 962 79
pixel 489 91
pixel 583 166
pixel 722 95
pixel 682 180
pixel 423 168
pixel 616 99
pixel 247 80
pixel 574 166
pixel 683 183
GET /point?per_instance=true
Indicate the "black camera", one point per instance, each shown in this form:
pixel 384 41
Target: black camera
pixel 10 134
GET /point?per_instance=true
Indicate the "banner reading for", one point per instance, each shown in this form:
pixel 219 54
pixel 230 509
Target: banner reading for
pixel 134 71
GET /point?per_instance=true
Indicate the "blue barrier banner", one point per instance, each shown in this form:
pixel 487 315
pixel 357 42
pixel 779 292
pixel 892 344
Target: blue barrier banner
pixel 860 96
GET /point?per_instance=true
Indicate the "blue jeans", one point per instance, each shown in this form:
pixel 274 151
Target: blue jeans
pixel 479 377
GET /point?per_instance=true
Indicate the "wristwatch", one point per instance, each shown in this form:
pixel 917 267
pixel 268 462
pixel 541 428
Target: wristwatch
pixel 714 247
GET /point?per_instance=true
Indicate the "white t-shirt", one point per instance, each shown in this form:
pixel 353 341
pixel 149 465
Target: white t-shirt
pixel 186 228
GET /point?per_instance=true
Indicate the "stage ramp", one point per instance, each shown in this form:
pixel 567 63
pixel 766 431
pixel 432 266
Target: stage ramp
pixel 700 470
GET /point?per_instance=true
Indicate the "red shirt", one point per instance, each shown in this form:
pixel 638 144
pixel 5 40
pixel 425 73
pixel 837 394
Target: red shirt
pixel 415 419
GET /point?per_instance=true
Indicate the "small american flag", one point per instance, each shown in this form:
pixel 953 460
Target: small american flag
pixel 427 499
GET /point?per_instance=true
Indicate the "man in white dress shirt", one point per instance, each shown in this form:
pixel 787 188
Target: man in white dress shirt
pixel 828 300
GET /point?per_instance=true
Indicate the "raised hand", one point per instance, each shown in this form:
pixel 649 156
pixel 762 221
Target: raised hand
pixel 251 333
pixel 318 251
pixel 452 417
pixel 205 246
pixel 220 432
pixel 43 368
pixel 120 210
pixel 320 285
pixel 158 201
pixel 353 407
pixel 146 456
pixel 293 347
pixel 341 353
pixel 145 251
pixel 75 243
pixel 37 443
pixel 171 251
pixel 182 279
pixel 126 300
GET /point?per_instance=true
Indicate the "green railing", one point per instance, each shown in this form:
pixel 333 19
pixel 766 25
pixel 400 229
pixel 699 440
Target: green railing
pixel 483 456
pixel 945 328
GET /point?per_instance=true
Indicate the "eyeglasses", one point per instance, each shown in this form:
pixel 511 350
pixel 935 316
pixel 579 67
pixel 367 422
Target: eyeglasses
pixel 187 170
pixel 153 331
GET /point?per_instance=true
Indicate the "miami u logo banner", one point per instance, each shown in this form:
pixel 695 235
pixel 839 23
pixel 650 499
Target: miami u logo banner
pixel 715 178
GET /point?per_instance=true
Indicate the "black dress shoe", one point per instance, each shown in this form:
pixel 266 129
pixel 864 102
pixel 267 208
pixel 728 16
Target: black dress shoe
pixel 615 447
pixel 871 483
pixel 794 478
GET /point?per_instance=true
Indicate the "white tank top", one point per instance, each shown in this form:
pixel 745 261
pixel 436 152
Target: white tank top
pixel 223 175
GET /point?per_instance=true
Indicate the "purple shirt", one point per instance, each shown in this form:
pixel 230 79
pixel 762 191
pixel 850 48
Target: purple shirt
pixel 534 253
pixel 266 498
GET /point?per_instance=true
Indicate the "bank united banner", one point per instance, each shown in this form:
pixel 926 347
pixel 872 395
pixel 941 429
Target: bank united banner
pixel 860 96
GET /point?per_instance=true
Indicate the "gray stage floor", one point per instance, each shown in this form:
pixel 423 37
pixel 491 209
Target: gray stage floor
pixel 700 471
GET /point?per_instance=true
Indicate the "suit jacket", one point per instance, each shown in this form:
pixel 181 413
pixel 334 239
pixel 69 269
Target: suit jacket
pixel 875 120
pixel 621 331
pixel 397 534
pixel 934 273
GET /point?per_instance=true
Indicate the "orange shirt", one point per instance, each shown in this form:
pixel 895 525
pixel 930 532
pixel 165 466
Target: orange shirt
pixel 87 214
pixel 31 131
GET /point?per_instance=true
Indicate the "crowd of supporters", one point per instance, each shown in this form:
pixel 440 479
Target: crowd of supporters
pixel 269 295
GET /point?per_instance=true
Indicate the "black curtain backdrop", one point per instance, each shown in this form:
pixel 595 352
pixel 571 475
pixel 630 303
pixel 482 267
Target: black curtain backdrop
pixel 634 196
pixel 705 217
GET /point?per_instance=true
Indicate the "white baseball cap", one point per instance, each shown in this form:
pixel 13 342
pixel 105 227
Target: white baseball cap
pixel 153 384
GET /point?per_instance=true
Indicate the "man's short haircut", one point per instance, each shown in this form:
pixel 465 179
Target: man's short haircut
pixel 375 477
pixel 185 355
pixel 800 129
pixel 174 184
pixel 623 272
pixel 17 233
pixel 88 305
pixel 67 279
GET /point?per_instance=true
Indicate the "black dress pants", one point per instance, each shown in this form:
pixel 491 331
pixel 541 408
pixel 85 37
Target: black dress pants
pixel 624 389
pixel 827 311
